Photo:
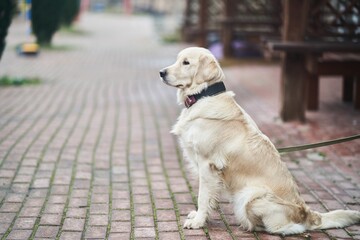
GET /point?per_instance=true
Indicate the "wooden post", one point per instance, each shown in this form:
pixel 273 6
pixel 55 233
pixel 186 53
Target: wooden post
pixel 312 92
pixel 357 93
pixel 227 27
pixel 203 20
pixel 348 88
pixel 186 23
pixel 294 74
pixel 312 86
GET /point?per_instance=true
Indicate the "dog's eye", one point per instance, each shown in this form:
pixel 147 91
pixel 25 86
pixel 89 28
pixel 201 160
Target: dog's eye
pixel 185 62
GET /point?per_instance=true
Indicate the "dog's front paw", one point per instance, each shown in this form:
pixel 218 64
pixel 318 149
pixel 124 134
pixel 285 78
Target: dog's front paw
pixel 194 223
pixel 192 215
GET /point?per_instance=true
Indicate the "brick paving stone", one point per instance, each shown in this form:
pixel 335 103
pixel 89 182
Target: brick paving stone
pixel 76 212
pixel 144 221
pixel 50 219
pixel 196 237
pixel 19 234
pixel 121 204
pixel 95 232
pixel 73 224
pixel 143 209
pixel 319 235
pixel 37 193
pixel 121 215
pixel 30 212
pixel 79 193
pixel 41 183
pixel 54 208
pixel 162 194
pixel 12 197
pixel 121 194
pixel 98 220
pixel 22 179
pixel 142 199
pixel 141 232
pixel 57 199
pixel 4 227
pixel 168 226
pixel 34 202
pixel 238 232
pixel 120 227
pixel 47 232
pixel 338 233
pixel 268 236
pixel 78 202
pixel 183 198
pixel 70 236
pixel 100 199
pixel 10 207
pixel 116 236
pixel 169 235
pixel 99 208
pixel 220 234
pixel 20 187
pixel 164 204
pixel 194 232
pixel 293 238
pixel 58 190
pixel 166 215
pixel 24 223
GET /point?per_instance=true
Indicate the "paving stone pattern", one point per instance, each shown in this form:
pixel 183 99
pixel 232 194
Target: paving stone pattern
pixel 87 154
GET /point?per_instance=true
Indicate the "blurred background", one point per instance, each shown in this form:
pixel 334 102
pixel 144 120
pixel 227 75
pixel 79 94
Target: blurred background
pixel 309 39
pixel 42 16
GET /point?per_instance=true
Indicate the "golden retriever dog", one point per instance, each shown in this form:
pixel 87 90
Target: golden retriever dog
pixel 228 152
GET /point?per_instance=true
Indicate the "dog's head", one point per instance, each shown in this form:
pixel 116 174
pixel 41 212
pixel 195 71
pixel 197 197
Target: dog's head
pixel 194 70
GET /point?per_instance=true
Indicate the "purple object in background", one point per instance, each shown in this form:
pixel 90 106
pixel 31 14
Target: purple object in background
pixel 241 49
pixel 217 50
pixel 245 49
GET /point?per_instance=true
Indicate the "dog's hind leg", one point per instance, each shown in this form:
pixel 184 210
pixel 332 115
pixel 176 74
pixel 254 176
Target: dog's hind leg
pixel 278 216
pixel 243 201
pixel 258 207
pixel 209 187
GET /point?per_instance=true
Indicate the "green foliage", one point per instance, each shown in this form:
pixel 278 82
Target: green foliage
pixel 17 81
pixel 70 11
pixel 46 19
pixel 7 8
pixel 172 37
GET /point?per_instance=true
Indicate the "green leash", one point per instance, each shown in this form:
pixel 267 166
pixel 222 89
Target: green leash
pixel 316 145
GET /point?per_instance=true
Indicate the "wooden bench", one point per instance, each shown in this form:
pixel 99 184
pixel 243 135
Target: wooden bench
pixel 318 63
pixel 201 19
pixel 305 58
pixel 250 20
pixel 228 18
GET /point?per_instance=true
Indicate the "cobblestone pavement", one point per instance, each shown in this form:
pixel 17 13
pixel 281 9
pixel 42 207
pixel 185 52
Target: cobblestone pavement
pixel 88 153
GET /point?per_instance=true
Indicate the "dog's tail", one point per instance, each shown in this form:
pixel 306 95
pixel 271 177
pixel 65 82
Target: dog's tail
pixel 333 219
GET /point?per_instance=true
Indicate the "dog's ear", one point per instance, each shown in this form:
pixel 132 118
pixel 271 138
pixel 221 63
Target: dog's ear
pixel 208 70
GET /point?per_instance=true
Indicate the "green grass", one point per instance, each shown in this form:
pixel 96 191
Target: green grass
pixel 18 81
pixel 71 30
pixel 171 37
pixel 57 47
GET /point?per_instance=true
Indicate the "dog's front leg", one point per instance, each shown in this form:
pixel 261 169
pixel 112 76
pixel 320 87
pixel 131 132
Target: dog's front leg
pixel 208 194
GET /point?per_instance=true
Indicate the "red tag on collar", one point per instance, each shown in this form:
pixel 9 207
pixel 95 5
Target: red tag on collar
pixel 189 101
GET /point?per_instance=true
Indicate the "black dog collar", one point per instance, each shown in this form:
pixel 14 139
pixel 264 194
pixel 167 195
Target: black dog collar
pixel 212 90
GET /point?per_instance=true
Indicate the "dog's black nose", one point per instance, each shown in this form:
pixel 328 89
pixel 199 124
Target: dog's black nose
pixel 162 73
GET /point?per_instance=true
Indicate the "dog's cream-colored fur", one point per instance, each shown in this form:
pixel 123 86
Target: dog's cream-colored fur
pixel 228 152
